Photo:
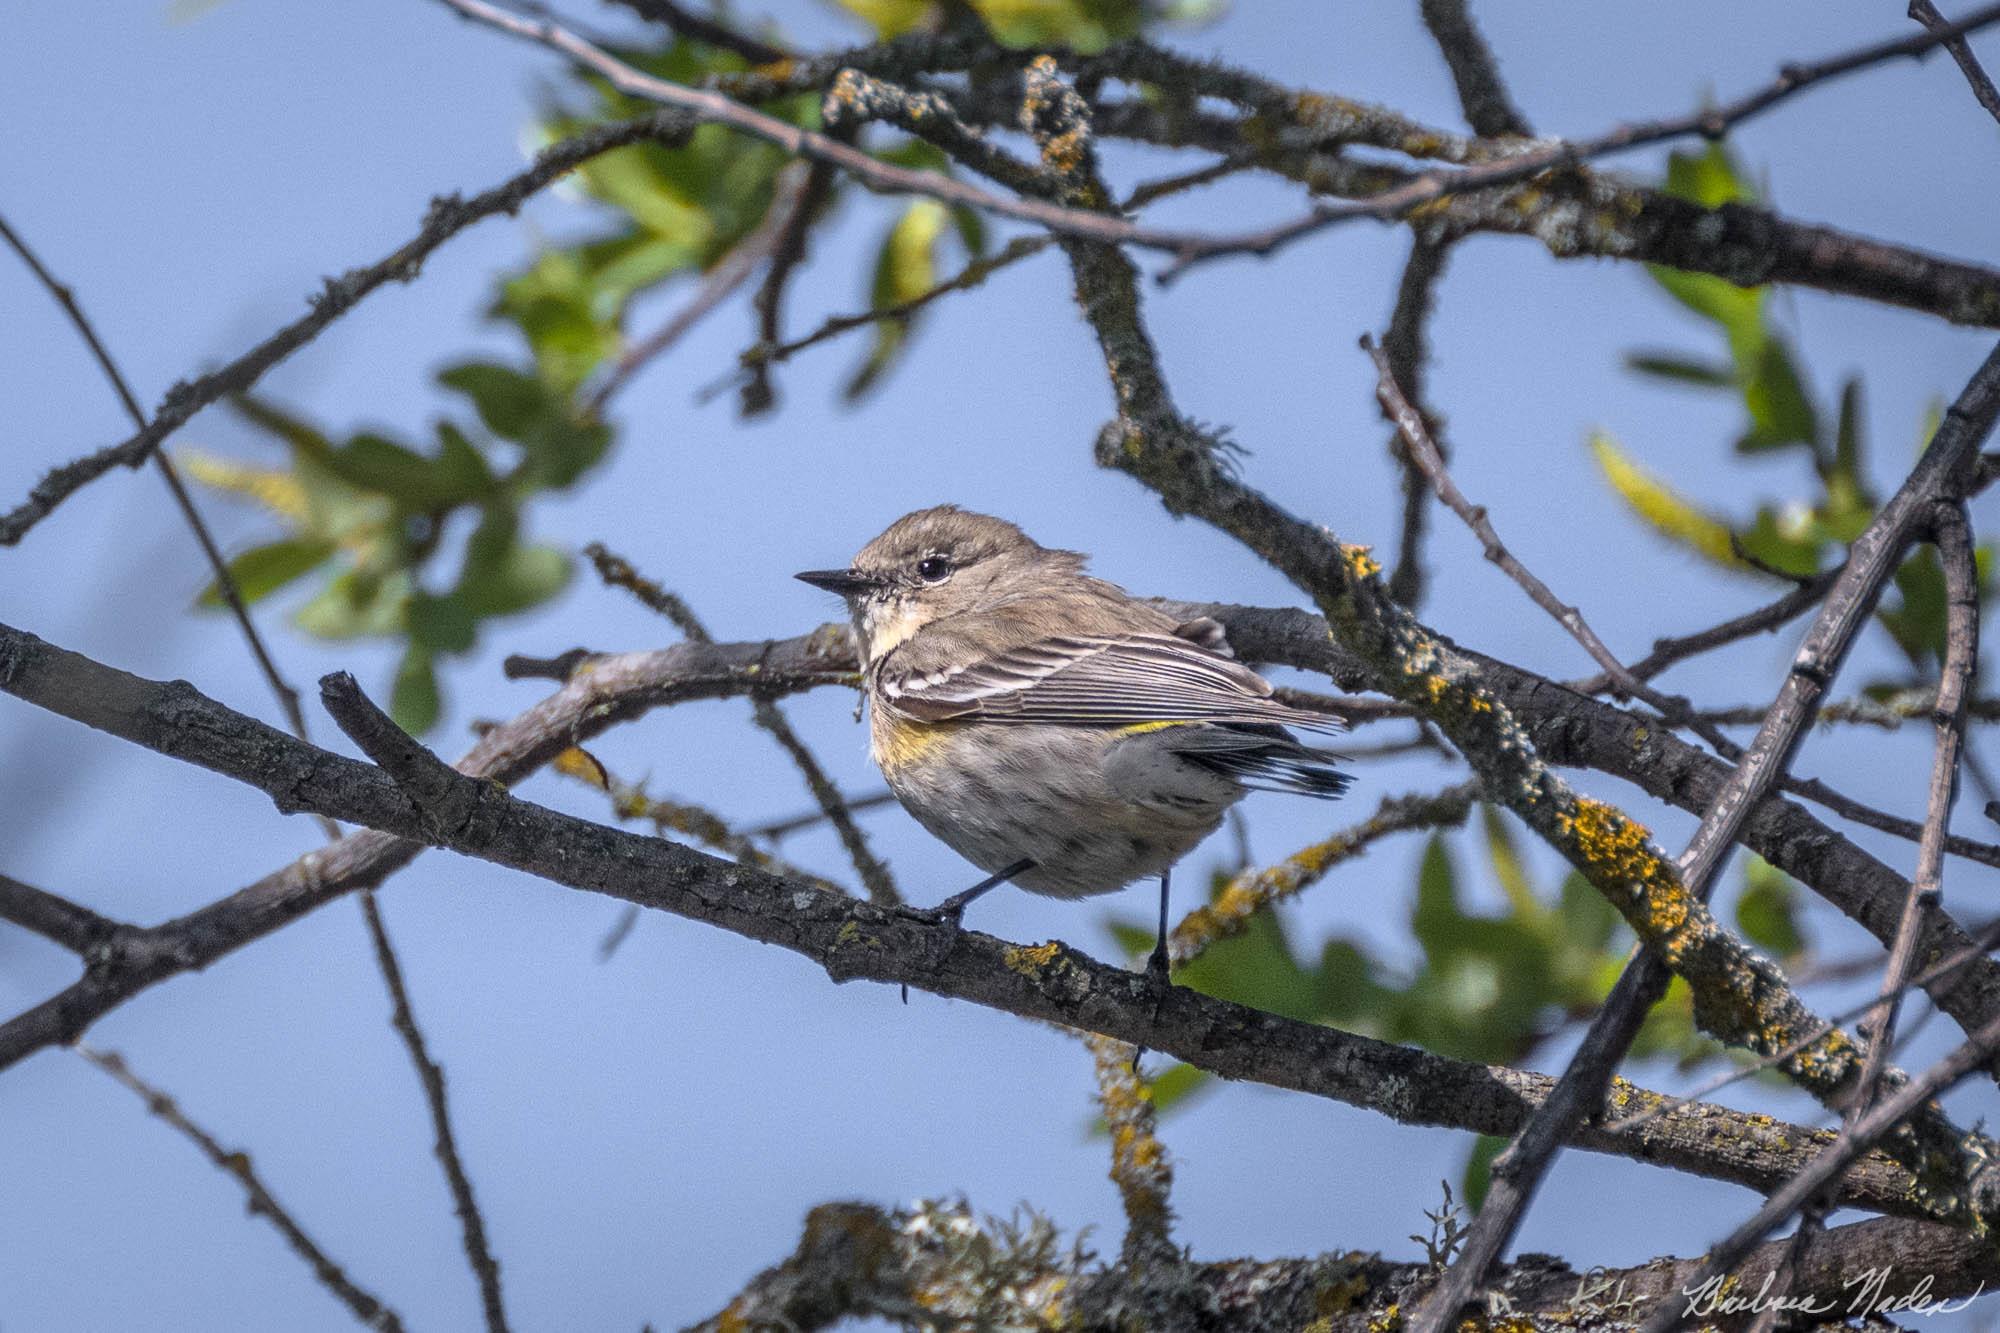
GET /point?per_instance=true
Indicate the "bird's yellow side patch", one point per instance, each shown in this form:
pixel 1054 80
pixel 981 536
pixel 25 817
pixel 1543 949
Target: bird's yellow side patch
pixel 897 743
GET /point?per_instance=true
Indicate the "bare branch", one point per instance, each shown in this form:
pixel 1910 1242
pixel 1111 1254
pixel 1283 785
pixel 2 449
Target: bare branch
pixel 1926 13
pixel 1711 123
pixel 1488 108
pixel 225 579
pixel 875 877
pixel 448 215
pixel 235 1164
pixel 472 1224
pixel 1846 1150
pixel 56 919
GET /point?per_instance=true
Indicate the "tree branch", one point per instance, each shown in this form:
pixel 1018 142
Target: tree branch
pixel 235 1164
pixel 472 1225
pixel 1488 108
pixel 447 216
pixel 848 937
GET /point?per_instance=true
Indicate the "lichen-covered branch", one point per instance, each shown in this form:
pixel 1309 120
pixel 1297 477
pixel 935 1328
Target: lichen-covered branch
pixel 1251 891
pixel 470 811
pixel 940 1263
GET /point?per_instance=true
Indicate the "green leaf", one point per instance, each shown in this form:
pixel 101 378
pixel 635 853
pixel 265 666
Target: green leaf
pixel 1780 412
pixel 262 570
pixel 441 624
pixel 501 576
pixel 460 469
pixel 1662 508
pixel 1505 857
pixel 1768 911
pixel 1436 920
pixel 375 463
pixel 1177 1084
pixel 1478 1177
pixel 1686 370
pixel 1710 178
pixel 509 402
pixel 357 604
pixel 1738 311
pixel 414 703
pixel 272 420
pixel 905 268
pixel 1787 542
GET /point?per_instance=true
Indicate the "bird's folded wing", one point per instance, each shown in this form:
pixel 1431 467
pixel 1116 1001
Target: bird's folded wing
pixel 1100 682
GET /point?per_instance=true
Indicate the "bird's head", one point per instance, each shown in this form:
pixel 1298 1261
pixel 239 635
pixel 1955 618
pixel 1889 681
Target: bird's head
pixel 936 563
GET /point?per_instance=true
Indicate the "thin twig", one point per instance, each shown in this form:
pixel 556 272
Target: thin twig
pixel 693 26
pixel 288 701
pixel 1474 71
pixel 972 275
pixel 1404 344
pixel 1667 652
pixel 1188 248
pixel 1926 13
pixel 1250 891
pixel 1952 534
pixel 447 216
pixel 788 252
pixel 778 829
pixel 471 1224
pixel 1827 1167
pixel 225 579
pixel 1710 123
pixel 619 573
pixel 1140 1166
pixel 56 919
pixel 717 286
pixel 1944 467
pixel 1428 460
pixel 364 1305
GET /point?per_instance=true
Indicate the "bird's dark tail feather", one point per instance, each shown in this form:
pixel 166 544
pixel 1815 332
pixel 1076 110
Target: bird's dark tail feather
pixel 1281 767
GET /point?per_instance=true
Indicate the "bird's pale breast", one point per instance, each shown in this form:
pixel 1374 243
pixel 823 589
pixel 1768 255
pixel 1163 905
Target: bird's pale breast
pixel 1095 809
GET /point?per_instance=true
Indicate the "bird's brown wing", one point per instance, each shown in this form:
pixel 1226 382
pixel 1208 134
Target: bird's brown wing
pixel 1095 681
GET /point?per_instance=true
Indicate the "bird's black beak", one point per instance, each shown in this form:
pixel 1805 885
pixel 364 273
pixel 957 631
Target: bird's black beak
pixel 846 582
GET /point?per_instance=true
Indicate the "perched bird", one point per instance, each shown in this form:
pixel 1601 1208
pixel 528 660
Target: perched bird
pixel 1052 729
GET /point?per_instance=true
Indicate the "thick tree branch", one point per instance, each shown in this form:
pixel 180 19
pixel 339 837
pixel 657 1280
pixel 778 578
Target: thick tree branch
pixel 851 939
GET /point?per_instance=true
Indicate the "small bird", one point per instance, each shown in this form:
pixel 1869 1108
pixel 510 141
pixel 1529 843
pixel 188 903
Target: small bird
pixel 1053 730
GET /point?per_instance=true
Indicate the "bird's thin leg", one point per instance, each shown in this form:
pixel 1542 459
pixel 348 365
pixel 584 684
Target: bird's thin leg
pixel 954 906
pixel 1158 968
pixel 1157 965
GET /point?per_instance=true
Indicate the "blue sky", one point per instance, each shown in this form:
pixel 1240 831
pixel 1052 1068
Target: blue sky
pixel 648 1133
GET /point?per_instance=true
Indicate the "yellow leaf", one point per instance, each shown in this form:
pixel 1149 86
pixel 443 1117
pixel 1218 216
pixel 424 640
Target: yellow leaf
pixel 274 488
pixel 1662 507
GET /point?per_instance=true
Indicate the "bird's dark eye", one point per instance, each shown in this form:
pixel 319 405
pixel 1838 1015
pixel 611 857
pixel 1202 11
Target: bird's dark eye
pixel 933 569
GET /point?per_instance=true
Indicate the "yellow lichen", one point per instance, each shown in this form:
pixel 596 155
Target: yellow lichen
pixel 1030 959
pixel 1360 562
